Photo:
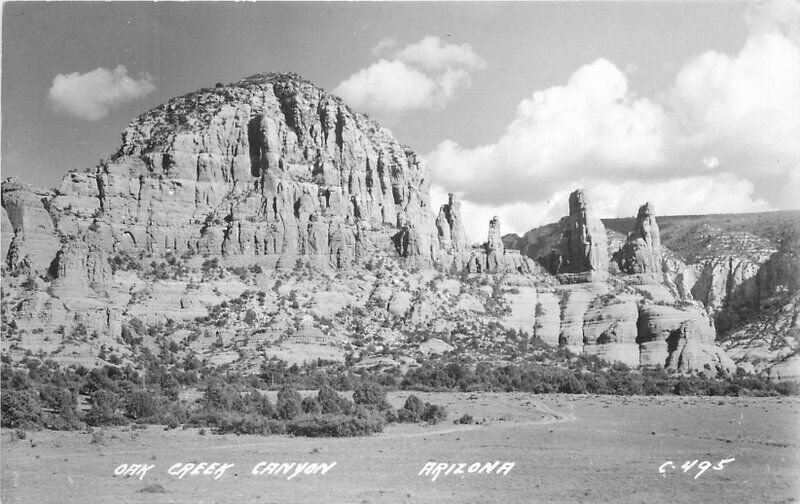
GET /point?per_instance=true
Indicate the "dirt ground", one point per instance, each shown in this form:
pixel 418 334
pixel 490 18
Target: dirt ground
pixel 564 449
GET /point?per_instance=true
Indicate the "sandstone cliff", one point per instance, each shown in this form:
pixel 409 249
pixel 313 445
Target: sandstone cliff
pixel 267 170
pixel 270 215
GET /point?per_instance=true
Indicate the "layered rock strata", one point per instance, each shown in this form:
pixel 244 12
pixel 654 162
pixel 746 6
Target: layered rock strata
pixel 610 332
pixel 268 169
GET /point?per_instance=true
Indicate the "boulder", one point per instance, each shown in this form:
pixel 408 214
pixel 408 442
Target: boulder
pixel 400 303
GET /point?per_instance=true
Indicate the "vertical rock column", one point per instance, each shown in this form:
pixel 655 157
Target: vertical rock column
pixel 583 245
pixel 642 250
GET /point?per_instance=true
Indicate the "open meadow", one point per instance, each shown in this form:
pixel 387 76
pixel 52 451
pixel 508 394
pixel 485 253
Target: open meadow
pixel 564 448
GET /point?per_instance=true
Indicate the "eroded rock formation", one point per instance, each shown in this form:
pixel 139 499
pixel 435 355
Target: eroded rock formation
pixel 641 252
pixel 582 248
pixel 269 168
pixel 450 227
pixel 34 243
pixel 492 257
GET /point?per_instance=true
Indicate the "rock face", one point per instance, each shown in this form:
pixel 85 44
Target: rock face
pixel 726 280
pixel 450 227
pixel 574 305
pixel 610 332
pixel 268 169
pixel 583 246
pixel 681 338
pixel 6 234
pixel 35 243
pixel 642 250
pixel 81 269
pixel 548 318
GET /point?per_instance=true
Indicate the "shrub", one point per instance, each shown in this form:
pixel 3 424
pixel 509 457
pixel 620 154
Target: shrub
pixel 222 396
pixel 434 413
pixel 465 420
pixel 104 410
pixel 289 403
pixel 332 403
pixel 311 406
pixel 248 424
pixel 414 404
pixel 153 488
pixel 20 409
pixel 142 404
pixel 334 426
pixel 61 403
pixel 412 410
pixel 370 393
pixel 259 404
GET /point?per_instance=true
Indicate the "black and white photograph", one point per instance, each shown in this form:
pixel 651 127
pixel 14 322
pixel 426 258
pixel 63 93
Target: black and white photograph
pixel 400 252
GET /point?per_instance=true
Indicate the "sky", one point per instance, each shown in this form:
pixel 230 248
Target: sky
pixel 694 106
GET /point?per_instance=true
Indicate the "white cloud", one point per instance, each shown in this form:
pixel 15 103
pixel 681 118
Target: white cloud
pixel 745 107
pixel 711 162
pixel 431 53
pixel 392 86
pixel 777 16
pixel 384 44
pixel 426 75
pixel 92 95
pixel 555 135
pixel 722 138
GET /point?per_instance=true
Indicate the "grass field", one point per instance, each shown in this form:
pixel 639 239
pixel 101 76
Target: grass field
pixel 565 448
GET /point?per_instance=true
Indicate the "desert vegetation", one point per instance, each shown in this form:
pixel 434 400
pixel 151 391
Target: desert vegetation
pixel 44 394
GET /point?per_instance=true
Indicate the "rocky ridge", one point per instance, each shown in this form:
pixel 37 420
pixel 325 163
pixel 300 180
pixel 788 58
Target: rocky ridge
pixel 270 218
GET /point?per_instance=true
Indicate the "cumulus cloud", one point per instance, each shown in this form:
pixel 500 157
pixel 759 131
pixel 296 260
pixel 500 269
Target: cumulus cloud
pixel 425 75
pixel 92 95
pixel 555 134
pixel 776 16
pixel 721 138
pixel 431 53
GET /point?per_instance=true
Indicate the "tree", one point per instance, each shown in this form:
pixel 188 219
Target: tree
pixel 20 409
pixel 289 403
pixel 370 393
pixel 331 402
pixel 104 409
pixel 142 404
